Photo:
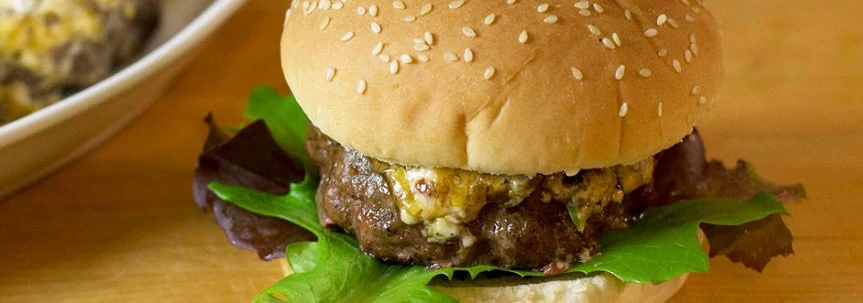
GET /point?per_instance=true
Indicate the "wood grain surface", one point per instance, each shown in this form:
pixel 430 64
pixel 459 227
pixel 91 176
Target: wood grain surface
pixel 120 225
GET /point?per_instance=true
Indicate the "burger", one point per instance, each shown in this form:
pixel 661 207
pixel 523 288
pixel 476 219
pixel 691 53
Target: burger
pixel 490 151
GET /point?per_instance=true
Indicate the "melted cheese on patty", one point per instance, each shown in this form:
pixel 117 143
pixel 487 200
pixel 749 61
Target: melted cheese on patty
pixel 444 199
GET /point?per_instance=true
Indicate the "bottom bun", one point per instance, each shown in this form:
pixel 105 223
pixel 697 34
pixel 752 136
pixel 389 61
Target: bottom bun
pixel 592 288
pixel 596 288
pixel 570 288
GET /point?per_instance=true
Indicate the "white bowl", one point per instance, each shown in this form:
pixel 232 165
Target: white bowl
pixel 39 144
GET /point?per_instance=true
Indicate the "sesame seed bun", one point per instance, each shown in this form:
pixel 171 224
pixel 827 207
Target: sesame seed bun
pixel 502 88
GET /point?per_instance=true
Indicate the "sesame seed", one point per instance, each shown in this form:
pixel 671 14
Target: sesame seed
pixel 330 74
pixel 584 12
pixel 619 73
pixel 377 49
pixel 394 67
pixel 644 72
pixel 673 23
pixel 694 48
pixel 598 8
pixel 594 30
pixel 347 36
pixel 409 18
pixel 608 43
pixel 423 57
pixel 688 56
pixel 577 73
pixel 428 38
pixel 522 37
pixel 616 39
pixel 456 4
pixel 685 2
pixel 584 4
pixel 689 18
pixel 696 10
pixel 425 9
pixel 692 38
pixel 467 31
pixel 624 108
pixel 510 2
pixel 696 90
pixel 450 57
pixel 662 52
pixel 659 109
pixel 661 20
pixel 325 23
pixel 288 15
pixel 542 8
pixel 398 5
pixel 677 66
pixel 702 100
pixel 421 47
pixel 489 19
pixel 406 59
pixel 361 10
pixel 628 14
pixel 384 57
pixel 306 6
pixel 361 87
pixel 550 19
pixel 338 5
pixel 488 73
pixel 373 10
pixel 651 32
pixel 468 55
pixel 325 5
pixel 376 28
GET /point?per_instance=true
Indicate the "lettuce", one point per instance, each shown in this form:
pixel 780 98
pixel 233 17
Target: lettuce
pixel 332 269
pixel 660 247
pixel 285 119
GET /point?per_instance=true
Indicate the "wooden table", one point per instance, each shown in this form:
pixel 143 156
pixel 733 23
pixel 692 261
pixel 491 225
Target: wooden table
pixel 120 225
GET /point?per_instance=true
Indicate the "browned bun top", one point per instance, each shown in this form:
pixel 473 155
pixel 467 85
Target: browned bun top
pixel 502 86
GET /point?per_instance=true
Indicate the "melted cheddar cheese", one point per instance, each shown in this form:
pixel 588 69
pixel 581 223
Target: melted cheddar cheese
pixel 444 199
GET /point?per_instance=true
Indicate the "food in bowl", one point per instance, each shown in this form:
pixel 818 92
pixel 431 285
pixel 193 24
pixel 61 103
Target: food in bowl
pixel 49 48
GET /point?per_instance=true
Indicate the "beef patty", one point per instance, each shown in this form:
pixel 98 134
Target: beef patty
pixel 356 196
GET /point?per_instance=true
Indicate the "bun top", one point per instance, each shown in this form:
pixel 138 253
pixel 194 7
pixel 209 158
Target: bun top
pixel 505 86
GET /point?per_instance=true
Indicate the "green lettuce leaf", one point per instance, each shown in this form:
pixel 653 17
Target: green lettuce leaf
pixel 285 119
pixel 661 246
pixel 333 269
pixel 664 243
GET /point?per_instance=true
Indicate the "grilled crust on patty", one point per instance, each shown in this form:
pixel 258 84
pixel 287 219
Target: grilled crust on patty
pixel 357 198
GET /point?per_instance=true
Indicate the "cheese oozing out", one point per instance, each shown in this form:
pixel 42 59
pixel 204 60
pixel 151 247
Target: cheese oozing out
pixel 444 199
